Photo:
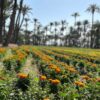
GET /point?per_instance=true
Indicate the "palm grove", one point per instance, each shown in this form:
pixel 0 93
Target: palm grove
pixel 14 23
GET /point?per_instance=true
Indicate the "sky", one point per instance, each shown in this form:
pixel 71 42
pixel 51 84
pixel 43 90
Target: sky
pixel 55 10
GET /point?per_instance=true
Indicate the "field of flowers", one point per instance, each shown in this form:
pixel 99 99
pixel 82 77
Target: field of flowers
pixel 49 73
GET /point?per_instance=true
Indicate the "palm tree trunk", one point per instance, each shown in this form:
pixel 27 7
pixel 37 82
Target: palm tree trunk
pixel 92 19
pixel 17 24
pixel 91 44
pixel 45 37
pixel 18 30
pixel 75 21
pixel 11 26
pixel 1 18
pixel 34 41
pixel 84 34
pixel 19 13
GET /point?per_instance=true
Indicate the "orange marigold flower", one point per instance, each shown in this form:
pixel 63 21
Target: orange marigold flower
pixel 2 50
pixel 55 81
pixel 42 77
pixel 58 70
pixel 22 75
pixel 80 84
pixel 94 65
pixel 98 79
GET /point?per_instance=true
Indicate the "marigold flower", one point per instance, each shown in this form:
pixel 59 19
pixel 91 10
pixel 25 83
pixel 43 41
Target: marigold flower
pixel 22 75
pixel 46 99
pixel 98 79
pixel 72 70
pixel 80 84
pixel 50 79
pixel 2 50
pixel 55 81
pixel 94 65
pixel 1 78
pixel 43 77
pixel 85 77
pixel 52 66
pixel 58 70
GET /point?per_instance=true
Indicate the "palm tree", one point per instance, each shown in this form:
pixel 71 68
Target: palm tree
pixel 85 25
pixel 38 35
pixel 78 27
pixel 68 37
pixel 26 23
pixel 7 8
pixel 51 24
pixel 92 9
pixel 4 26
pixel 26 30
pixel 75 15
pixel 79 30
pixel 46 31
pixel 97 35
pixel 1 17
pixel 63 26
pixel 62 29
pixel 35 25
pixel 63 22
pixel 24 10
pixel 19 12
pixel 17 23
pixel 11 26
pixel 75 36
pixel 35 21
pixel 55 30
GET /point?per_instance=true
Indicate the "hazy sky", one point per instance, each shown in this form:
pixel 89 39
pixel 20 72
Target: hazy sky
pixel 56 10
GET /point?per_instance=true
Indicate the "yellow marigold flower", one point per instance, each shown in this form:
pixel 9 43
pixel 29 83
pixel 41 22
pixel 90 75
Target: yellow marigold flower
pixel 42 77
pixel 22 75
pixel 72 70
pixel 80 84
pixel 52 66
pixel 50 79
pixel 55 81
pixel 1 78
pixel 46 99
pixel 85 77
